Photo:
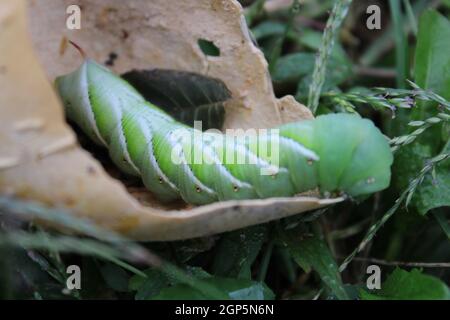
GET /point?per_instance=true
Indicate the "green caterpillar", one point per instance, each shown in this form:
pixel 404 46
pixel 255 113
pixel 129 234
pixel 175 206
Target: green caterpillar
pixel 335 153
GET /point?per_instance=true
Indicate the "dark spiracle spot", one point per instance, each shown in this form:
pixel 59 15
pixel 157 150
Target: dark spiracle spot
pixel 111 59
pixel 125 34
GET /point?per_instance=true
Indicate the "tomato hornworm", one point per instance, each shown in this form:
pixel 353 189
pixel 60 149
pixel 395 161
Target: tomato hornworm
pixel 334 153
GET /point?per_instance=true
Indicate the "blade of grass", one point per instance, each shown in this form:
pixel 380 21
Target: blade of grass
pixel 384 43
pixel 288 263
pixel 264 266
pixel 401 59
pixel 411 16
pixel 334 22
pixel 254 11
pixel 43 241
pixel 65 244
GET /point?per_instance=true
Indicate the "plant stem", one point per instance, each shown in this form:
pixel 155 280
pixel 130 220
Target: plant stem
pixel 265 261
pixel 276 52
pixel 337 15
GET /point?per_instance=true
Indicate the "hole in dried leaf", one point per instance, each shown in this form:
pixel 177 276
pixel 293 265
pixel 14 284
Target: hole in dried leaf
pixel 208 48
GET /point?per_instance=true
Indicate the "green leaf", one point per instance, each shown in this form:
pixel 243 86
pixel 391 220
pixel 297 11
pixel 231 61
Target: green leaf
pixel 432 59
pixel 291 67
pixel 408 163
pixel 237 251
pixel 432 66
pixel 268 29
pixel 115 277
pixel 179 292
pixel 186 250
pixel 313 253
pixel 413 285
pixel 236 289
pixel 157 280
pixel 434 192
pixel 187 96
pixel 150 286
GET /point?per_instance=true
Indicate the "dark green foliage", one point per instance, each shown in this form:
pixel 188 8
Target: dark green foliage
pixel 237 251
pixel 413 285
pixel 187 96
pixel 301 257
pixel 311 253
